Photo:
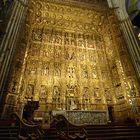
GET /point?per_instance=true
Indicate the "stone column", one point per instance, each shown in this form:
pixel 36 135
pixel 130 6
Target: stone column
pixel 132 45
pixel 127 29
pixel 9 40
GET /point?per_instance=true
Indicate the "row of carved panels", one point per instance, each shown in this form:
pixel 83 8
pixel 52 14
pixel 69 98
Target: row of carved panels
pixel 69 90
pixel 72 88
pixel 66 58
pixel 44 15
pixel 57 69
pixel 89 3
pixel 58 33
pixel 68 25
pixel 53 47
pixel 58 36
pixel 47 52
pixel 84 21
pixel 56 8
pixel 93 20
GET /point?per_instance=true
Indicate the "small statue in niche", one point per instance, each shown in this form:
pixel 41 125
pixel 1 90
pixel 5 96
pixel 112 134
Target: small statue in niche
pixel 45 53
pixel 91 57
pixel 58 40
pixel 95 93
pixel 45 69
pixel 56 91
pixel 73 41
pixel 57 71
pixel 35 50
pixel 33 70
pixel 101 20
pixel 115 73
pixel 107 94
pixel 84 71
pixel 118 91
pixel 57 52
pixel 85 92
pixel 90 43
pixel 50 50
pixel 72 104
pixel 94 73
pixel 14 86
pixel 71 55
pixel 71 89
pixel 81 43
pixel 82 55
pixel 66 41
pixel 71 72
pixel 29 91
pixel 49 38
pixel 33 67
pixel 43 92
pixel 132 91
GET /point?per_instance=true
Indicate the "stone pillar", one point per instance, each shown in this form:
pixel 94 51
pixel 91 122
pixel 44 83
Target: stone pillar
pixel 127 29
pixel 132 46
pixel 9 40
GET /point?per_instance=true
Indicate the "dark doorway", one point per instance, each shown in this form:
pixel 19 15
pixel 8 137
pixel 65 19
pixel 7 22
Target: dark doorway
pixel 110 113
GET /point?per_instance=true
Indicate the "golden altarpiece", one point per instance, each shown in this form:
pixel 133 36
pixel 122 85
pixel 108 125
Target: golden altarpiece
pixel 71 55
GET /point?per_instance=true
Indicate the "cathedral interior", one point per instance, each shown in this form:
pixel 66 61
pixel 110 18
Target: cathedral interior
pixel 80 58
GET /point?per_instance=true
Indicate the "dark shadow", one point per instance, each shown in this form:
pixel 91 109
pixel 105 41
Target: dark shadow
pixel 110 113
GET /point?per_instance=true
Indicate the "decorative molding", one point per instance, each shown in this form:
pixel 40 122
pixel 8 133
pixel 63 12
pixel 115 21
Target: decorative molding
pixel 98 4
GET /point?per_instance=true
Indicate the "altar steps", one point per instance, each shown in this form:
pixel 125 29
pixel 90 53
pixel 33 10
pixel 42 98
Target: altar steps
pixel 93 132
pixel 116 138
pixel 113 132
pixel 102 132
pixel 51 134
pixel 8 133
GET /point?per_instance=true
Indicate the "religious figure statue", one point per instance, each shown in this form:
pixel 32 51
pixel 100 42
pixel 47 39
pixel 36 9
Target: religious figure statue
pixel 85 92
pixel 94 74
pixel 81 43
pixel 72 104
pixel 56 91
pixel 57 52
pixel 58 40
pixel 57 71
pixel 14 86
pixel 70 55
pixel 84 71
pixel 45 69
pixel 29 91
pixel 132 91
pixel 71 72
pixel 95 93
pixel 43 92
pixel 66 41
pixel 107 94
